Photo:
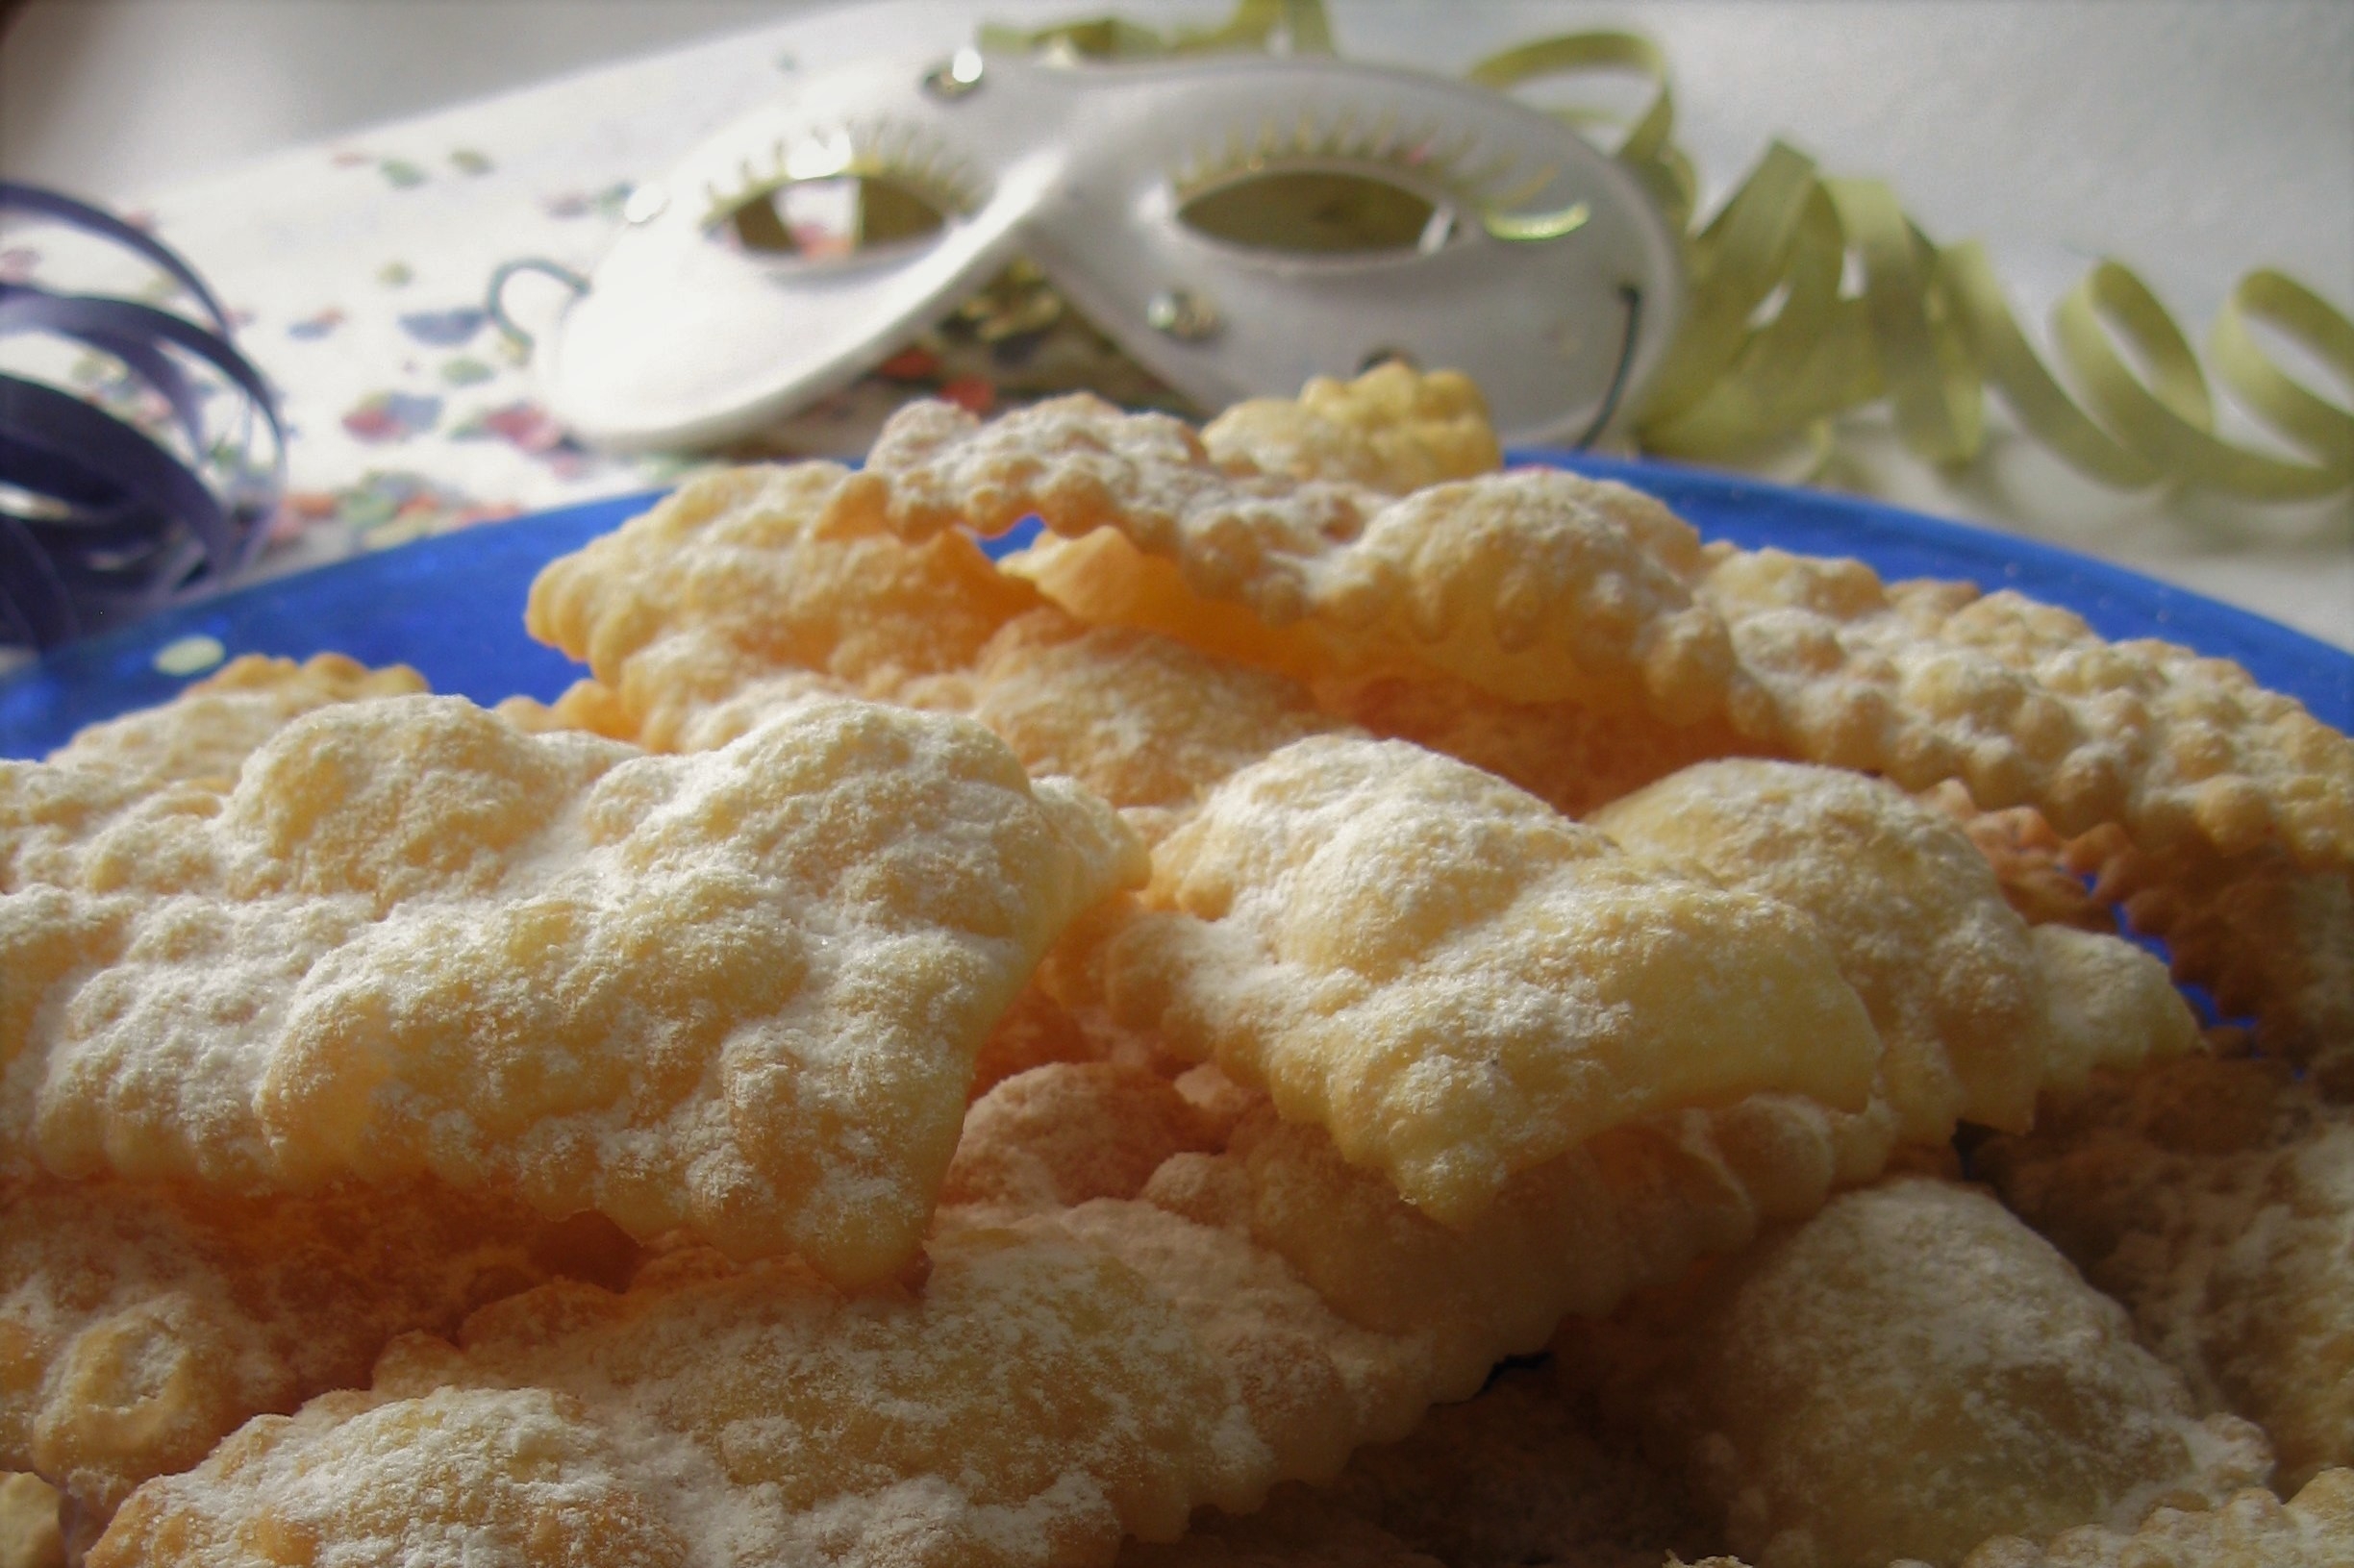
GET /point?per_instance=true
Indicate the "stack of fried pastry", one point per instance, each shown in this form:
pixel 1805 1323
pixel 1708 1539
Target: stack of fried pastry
pixel 1346 1006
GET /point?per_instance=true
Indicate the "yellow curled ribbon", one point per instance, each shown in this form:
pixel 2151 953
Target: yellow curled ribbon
pixel 1932 331
pixel 1772 347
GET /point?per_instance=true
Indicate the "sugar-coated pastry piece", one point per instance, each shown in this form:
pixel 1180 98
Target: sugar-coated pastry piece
pixel 2023 704
pixel 172 759
pixel 2215 1200
pixel 2030 862
pixel 1571 1236
pixel 1033 1399
pixel 734 579
pixel 1105 581
pixel 1978 1014
pixel 741 991
pixel 142 1323
pixel 725 607
pixel 587 704
pixel 1907 1375
pixel 1079 463
pixel 2108 1005
pixel 1392 429
pixel 1457 981
pixel 1534 584
pixel 28 1537
pixel 1065 1377
pixel 1147 723
pixel 1572 757
pixel 1056 1138
pixel 2273 942
pixel 2315 1529
pixel 708 726
pixel 1035 1032
pixel 448 1475
pixel 208 731
pixel 1539 585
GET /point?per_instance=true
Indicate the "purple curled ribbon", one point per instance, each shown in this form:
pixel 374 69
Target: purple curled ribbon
pixel 100 522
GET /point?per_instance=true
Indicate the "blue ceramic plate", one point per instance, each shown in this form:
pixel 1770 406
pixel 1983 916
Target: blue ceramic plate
pixel 453 606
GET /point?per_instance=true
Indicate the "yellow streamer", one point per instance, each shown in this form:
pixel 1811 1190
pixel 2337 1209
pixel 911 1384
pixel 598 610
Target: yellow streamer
pixel 2040 403
pixel 1931 330
pixel 1647 149
pixel 2284 403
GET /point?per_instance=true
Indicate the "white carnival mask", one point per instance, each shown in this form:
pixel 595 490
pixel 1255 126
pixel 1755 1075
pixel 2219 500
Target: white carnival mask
pixel 1234 225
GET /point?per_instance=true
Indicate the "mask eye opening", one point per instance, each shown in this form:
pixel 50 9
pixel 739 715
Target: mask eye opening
pixel 1320 209
pixel 831 219
pixel 838 193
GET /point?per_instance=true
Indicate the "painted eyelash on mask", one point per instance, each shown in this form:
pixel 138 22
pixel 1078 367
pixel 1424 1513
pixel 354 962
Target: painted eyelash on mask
pixel 1429 150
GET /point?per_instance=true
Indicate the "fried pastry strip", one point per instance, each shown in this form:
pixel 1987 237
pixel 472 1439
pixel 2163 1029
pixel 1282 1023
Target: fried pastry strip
pixel 1569 755
pixel 1534 584
pixel 1250 1316
pixel 2025 705
pixel 1144 721
pixel 2273 942
pixel 1904 1376
pixel 1572 758
pixel 1147 723
pixel 1457 983
pixel 2215 1200
pixel 206 732
pixel 159 758
pixel 1454 981
pixel 28 1537
pixel 140 1324
pixel 734 579
pixel 1977 1012
pixel 1513 1478
pixel 1106 580
pixel 2030 862
pixel 1391 430
pixel 584 704
pixel 1539 585
pixel 729 601
pixel 741 991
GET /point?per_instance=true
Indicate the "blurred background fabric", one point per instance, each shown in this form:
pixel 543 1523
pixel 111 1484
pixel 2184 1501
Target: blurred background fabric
pixel 348 171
